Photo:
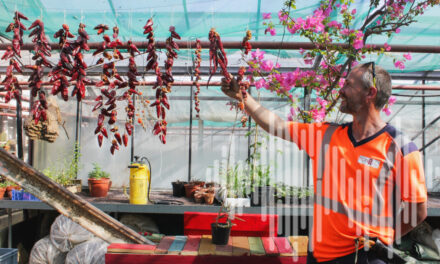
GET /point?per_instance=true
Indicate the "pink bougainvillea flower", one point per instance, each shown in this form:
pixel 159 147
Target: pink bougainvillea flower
pixel 407 56
pixel 267 16
pixel 318 115
pixel 399 65
pixel 258 54
pixel 301 51
pixel 378 22
pixel 353 12
pixel 277 65
pixel 321 102
pixel 282 16
pixel 260 83
pixel 358 44
pixel 387 47
pixel 291 114
pixel 343 8
pixel 387 111
pixel 397 30
pixel 391 100
pixel 271 30
pixel 266 65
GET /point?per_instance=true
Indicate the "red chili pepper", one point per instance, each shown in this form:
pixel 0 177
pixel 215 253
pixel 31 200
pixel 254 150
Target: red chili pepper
pixel 125 139
pixel 128 128
pixel 118 138
pixel 100 137
pixel 104 132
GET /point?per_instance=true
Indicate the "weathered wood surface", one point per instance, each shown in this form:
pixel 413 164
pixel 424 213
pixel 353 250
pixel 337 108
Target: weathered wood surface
pixel 67 203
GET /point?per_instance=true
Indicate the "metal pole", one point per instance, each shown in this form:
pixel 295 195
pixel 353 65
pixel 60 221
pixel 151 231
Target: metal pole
pixel 9 227
pixel 190 128
pixel 132 134
pixel 19 132
pixel 249 129
pixel 31 142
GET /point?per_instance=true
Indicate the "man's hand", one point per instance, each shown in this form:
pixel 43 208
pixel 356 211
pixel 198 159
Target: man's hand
pixel 231 89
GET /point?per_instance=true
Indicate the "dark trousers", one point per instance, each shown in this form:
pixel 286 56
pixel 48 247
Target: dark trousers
pixel 364 257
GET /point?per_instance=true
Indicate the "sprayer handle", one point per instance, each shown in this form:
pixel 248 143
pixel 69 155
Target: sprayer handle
pixel 133 166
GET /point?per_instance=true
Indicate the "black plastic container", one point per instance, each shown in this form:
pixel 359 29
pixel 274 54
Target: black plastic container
pixel 220 233
pixel 263 196
pixel 178 188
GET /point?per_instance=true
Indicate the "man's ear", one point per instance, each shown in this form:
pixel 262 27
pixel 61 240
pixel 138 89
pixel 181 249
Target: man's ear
pixel 372 93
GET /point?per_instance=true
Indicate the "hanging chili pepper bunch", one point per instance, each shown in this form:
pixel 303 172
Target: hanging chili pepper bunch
pixel 12 87
pixel 63 34
pixel 71 63
pixel 245 43
pixel 217 55
pixel 42 49
pixel 113 81
pixel 244 86
pixel 132 82
pixel 197 63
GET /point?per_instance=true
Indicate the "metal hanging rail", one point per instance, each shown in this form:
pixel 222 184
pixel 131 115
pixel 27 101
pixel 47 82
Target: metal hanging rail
pixel 255 45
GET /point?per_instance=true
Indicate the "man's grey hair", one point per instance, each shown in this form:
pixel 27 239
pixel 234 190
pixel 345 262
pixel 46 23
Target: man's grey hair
pixel 383 83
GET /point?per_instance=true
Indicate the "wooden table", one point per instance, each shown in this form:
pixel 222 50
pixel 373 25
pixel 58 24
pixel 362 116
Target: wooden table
pixel 199 249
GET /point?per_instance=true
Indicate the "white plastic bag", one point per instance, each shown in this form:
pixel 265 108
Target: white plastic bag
pixel 66 234
pixel 90 252
pixel 44 252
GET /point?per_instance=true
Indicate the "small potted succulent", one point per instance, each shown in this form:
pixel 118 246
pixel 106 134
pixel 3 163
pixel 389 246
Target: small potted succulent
pixel 221 228
pixel 99 181
pixel 179 188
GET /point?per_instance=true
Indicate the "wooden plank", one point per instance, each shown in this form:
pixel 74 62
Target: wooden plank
pixel 164 245
pixel 240 246
pixel 131 248
pixel 283 246
pixel 177 246
pixel 269 246
pixel 192 246
pixel 68 204
pixel 224 250
pixel 256 247
pixel 206 246
pixel 299 245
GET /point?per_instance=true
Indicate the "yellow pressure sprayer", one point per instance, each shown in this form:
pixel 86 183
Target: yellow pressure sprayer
pixel 140 181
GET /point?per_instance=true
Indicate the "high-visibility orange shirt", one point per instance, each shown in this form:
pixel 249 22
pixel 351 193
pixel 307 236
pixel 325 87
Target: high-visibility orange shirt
pixel 355 186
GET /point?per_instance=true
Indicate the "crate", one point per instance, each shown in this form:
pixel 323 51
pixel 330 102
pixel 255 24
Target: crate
pixel 8 255
pixel 23 196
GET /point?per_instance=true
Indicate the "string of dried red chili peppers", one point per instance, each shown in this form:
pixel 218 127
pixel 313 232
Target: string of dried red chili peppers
pixel 197 63
pixel 13 89
pixel 42 49
pixel 245 43
pixel 113 81
pixel 71 63
pixel 217 55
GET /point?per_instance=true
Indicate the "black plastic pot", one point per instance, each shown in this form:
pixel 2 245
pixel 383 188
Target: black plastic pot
pixel 178 189
pixel 263 196
pixel 220 233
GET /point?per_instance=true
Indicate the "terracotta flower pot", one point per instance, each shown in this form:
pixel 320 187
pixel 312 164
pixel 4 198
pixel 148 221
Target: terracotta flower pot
pixel 99 187
pixel 209 197
pixel 2 192
pixel 198 196
pixel 190 188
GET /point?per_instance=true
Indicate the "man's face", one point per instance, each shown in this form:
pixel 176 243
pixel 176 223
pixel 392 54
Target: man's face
pixel 352 94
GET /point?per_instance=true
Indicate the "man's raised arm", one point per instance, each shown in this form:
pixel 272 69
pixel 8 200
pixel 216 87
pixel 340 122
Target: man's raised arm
pixel 265 118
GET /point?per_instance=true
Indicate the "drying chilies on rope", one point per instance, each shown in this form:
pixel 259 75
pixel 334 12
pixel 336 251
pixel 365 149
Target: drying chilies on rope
pixel 42 50
pixel 197 63
pixel 113 81
pixel 13 89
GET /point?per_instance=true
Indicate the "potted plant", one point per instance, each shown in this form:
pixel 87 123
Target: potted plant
pixel 192 186
pixel 99 181
pixel 11 186
pixel 221 228
pixel 263 194
pixel 179 188
pixel 236 187
pixel 3 186
pixel 209 195
pixel 66 175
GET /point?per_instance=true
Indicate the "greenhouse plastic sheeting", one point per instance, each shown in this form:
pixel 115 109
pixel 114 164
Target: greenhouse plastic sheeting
pixel 90 252
pixel 66 234
pixel 44 252
pixel 194 18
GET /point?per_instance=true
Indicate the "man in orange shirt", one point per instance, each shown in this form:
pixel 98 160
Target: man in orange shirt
pixel 368 177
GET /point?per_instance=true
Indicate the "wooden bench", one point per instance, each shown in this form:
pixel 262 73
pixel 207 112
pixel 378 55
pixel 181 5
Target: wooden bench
pixel 199 249
pixel 257 225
